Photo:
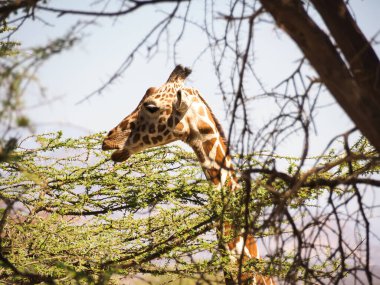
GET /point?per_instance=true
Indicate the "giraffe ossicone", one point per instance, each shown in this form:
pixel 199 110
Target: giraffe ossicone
pixel 175 112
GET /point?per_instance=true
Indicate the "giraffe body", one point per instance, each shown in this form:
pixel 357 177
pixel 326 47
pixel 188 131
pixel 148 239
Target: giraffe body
pixel 174 112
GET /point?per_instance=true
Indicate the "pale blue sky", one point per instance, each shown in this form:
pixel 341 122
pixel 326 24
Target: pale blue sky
pixel 74 74
pixel 77 72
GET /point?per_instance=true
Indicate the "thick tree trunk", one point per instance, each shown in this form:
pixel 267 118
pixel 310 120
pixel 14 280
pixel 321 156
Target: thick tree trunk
pixel 359 54
pixel 355 81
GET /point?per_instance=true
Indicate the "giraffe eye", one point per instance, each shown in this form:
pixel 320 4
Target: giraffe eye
pixel 151 107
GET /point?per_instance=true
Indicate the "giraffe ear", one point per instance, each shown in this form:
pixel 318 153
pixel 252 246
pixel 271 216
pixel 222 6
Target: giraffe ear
pixel 181 104
pixel 179 99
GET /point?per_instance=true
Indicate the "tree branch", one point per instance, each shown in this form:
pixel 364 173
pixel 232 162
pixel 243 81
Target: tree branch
pixel 361 107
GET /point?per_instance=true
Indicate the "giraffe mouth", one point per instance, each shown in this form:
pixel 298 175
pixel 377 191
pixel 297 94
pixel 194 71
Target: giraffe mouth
pixel 120 155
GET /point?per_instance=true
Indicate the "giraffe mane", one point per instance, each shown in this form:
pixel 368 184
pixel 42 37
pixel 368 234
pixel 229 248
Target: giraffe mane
pixel 217 123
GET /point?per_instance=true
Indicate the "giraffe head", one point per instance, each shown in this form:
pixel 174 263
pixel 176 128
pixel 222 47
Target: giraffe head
pixel 164 115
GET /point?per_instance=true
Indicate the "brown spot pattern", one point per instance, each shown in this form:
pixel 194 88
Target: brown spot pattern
pixel 201 111
pixel 146 139
pixel 198 151
pixel 136 138
pixel 124 124
pixel 204 128
pixel 161 128
pixel 152 128
pixel 208 145
pixel 220 157
pixel 150 91
pixel 179 126
pixel 214 175
pixel 170 122
pixel 252 246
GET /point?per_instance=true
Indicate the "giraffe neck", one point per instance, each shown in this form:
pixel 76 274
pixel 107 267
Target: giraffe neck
pixel 216 162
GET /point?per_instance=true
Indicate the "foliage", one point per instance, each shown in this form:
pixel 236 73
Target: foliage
pixel 71 214
pixel 98 217
pixel 7 48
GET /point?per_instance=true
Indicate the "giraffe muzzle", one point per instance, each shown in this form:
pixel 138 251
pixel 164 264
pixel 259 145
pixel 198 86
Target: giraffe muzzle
pixel 108 145
pixel 120 155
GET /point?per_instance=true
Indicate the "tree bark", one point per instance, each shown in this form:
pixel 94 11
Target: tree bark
pixel 353 81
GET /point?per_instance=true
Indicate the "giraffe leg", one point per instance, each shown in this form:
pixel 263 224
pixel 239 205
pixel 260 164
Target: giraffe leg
pixel 251 246
pixel 241 251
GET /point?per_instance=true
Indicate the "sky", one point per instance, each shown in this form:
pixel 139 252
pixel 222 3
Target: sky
pixel 71 76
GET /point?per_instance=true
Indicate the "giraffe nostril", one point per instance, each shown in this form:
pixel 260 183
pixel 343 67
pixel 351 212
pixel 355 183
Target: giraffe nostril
pixel 110 133
pixel 107 145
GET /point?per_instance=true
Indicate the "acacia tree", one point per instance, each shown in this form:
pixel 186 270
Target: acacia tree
pixel 306 206
pixel 104 222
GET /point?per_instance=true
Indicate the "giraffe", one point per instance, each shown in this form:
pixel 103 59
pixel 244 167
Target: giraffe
pixel 175 112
